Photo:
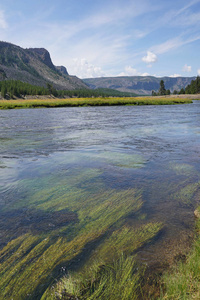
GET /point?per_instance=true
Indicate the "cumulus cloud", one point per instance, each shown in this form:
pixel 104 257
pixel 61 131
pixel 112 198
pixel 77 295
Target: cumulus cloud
pixel 187 68
pixel 150 58
pixel 83 69
pixel 129 71
pixel 3 23
pixel 198 72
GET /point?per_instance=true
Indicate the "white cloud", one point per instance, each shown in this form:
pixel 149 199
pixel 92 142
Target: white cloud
pixel 174 44
pixel 150 57
pixel 129 71
pixel 198 72
pixel 3 23
pixel 175 75
pixel 83 69
pixel 187 68
pixel 168 45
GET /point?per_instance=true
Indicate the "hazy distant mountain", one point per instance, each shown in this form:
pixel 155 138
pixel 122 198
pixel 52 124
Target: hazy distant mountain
pixel 34 66
pixel 142 85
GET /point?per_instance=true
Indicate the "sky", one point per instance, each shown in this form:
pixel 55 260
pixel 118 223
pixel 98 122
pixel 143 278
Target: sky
pixel 96 38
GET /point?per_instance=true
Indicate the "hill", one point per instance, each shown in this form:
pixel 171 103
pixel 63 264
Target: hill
pixel 143 85
pixel 35 66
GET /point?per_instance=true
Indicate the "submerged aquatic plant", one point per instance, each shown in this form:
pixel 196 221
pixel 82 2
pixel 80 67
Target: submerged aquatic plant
pixel 32 261
pixel 185 196
pixel 182 169
pixel 126 240
pixel 122 160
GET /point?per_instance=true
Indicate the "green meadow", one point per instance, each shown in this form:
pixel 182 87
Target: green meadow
pixel 36 103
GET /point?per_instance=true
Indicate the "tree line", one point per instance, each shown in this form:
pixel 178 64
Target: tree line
pixel 16 88
pixel 193 87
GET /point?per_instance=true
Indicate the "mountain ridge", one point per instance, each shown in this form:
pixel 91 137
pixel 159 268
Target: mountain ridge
pixel 143 85
pixel 34 66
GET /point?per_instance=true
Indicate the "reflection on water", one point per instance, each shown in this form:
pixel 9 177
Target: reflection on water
pixel 82 183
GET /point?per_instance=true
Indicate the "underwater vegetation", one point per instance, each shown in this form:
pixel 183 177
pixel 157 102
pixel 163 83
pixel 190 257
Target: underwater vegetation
pixel 182 169
pixel 68 226
pixel 122 160
pixel 74 224
pixel 70 238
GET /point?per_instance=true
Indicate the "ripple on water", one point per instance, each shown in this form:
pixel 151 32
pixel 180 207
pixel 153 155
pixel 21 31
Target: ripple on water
pixel 94 182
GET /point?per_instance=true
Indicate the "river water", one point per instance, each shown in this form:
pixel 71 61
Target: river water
pixel 154 149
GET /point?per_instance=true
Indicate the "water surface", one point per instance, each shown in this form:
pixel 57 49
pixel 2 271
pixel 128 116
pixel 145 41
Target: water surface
pixel 70 173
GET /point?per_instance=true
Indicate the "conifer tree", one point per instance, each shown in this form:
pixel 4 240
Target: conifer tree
pixel 162 90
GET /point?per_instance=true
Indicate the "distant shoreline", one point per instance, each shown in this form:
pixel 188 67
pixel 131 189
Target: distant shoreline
pixel 48 102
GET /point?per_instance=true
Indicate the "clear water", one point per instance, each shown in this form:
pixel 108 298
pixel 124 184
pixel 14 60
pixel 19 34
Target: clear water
pixel 154 149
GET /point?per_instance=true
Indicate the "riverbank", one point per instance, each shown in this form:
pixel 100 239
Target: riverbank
pixel 73 102
pixel 183 282
pixel 125 279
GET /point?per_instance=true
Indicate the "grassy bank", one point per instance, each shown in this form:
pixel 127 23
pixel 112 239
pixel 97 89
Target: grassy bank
pixel 36 103
pixel 183 282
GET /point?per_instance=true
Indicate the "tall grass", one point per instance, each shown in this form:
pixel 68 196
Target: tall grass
pixel 118 281
pixel 183 282
pixel 36 103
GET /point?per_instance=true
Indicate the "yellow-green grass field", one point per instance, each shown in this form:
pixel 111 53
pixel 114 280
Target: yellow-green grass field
pixel 55 102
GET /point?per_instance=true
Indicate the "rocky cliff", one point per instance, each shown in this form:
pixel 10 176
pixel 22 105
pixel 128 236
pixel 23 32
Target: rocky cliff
pixel 34 66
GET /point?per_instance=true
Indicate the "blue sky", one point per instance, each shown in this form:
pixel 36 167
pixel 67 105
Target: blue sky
pixel 93 38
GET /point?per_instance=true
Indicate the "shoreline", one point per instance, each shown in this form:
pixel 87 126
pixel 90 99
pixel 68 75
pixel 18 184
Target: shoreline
pixel 109 101
pixel 182 280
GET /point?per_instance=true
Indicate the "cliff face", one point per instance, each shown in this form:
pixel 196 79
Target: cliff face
pixel 142 85
pixel 62 70
pixel 34 66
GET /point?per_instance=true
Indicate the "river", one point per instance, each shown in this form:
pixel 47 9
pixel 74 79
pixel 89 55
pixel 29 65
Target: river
pixel 57 164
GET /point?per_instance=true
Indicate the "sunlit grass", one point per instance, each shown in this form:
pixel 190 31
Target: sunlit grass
pixel 183 282
pixel 118 280
pixel 36 103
